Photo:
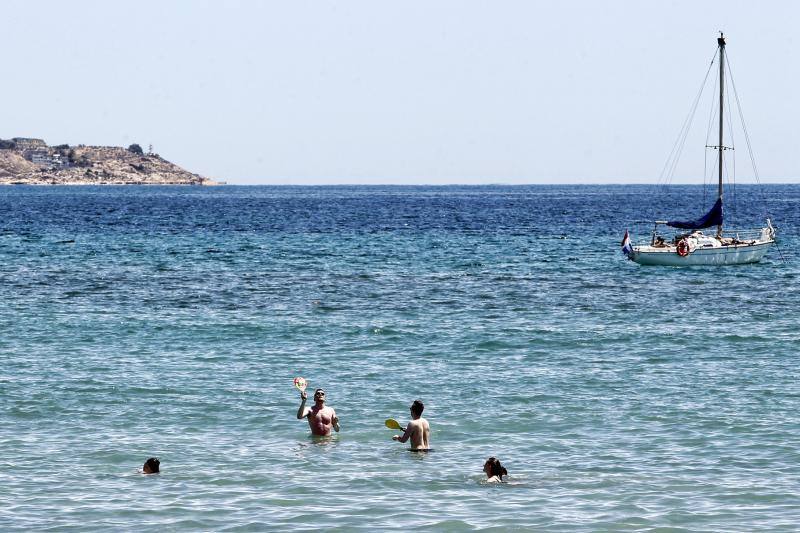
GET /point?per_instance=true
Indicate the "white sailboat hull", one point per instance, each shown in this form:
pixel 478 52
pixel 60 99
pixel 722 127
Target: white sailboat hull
pixel 734 254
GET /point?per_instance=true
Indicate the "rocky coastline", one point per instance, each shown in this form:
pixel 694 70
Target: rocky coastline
pixel 25 161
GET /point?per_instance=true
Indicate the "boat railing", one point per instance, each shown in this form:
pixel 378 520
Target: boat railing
pixel 661 233
pixel 742 234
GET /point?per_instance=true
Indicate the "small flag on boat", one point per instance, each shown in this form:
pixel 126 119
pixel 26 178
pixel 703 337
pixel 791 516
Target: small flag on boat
pixel 627 249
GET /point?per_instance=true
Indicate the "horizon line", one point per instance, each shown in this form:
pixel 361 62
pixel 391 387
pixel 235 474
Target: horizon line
pixel 224 183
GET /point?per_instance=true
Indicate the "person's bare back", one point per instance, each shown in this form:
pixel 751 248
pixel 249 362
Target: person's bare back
pixel 418 429
pixel 420 432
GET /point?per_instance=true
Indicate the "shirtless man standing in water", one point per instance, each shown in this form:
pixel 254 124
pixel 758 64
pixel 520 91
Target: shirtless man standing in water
pixel 320 418
pixel 418 430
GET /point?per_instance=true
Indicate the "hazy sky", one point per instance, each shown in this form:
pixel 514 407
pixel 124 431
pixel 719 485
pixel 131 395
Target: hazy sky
pixel 301 92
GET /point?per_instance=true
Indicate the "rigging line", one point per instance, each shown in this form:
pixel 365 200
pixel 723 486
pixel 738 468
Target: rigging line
pixel 685 134
pixel 712 112
pixel 684 128
pixel 780 251
pixel 727 175
pixel 747 140
pixel 705 171
pixel 687 124
pixel 709 173
pixel 752 157
pixel 711 116
pixel 731 178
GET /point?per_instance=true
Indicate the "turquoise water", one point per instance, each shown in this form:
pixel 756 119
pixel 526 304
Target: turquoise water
pixel 171 322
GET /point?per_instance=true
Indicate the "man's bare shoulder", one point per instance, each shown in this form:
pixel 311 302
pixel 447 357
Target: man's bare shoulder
pixel 419 423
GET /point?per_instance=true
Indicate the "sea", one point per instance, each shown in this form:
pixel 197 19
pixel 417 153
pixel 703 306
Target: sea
pixel 170 322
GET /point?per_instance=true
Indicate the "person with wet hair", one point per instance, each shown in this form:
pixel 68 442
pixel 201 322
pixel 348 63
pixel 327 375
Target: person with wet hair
pixel 418 430
pixel 151 466
pixel 494 470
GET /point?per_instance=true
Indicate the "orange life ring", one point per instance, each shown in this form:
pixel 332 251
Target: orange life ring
pixel 682 248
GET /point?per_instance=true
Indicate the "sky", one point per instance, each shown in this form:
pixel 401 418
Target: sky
pixel 414 92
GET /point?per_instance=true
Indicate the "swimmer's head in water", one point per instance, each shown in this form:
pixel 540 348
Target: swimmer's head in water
pixel 417 407
pixel 319 394
pixel 151 466
pixel 492 467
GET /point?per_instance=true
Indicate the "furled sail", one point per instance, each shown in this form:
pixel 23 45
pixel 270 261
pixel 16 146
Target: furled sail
pixel 712 218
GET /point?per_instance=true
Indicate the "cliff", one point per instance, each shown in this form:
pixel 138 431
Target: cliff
pixel 33 162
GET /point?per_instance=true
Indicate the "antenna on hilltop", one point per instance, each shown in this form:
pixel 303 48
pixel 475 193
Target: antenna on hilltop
pixel 150 150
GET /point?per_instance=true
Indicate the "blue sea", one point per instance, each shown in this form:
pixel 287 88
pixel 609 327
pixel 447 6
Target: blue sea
pixel 171 322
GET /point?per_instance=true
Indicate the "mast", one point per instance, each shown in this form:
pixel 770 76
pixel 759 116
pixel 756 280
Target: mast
pixel 720 148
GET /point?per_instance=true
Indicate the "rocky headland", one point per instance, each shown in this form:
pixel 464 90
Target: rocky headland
pixel 25 161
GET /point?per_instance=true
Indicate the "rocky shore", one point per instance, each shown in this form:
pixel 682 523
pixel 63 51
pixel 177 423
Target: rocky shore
pixel 25 161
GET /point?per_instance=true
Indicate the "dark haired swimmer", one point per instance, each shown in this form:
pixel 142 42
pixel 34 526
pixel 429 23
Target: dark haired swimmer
pixel 151 466
pixel 320 417
pixel 418 430
pixel 494 470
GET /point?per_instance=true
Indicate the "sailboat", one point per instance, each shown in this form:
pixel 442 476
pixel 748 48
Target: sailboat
pixel 692 246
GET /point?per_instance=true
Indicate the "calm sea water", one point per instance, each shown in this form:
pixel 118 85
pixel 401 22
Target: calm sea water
pixel 141 321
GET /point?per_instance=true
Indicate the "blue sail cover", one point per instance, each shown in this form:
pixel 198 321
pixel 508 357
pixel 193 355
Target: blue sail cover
pixel 712 218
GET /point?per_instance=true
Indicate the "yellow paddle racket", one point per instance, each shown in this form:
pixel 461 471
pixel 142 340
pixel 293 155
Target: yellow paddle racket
pixel 301 384
pixel 391 423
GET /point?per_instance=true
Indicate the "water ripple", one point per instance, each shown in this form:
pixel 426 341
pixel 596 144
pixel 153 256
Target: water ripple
pixel 170 322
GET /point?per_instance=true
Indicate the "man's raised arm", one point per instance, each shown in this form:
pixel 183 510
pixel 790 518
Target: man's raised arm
pixel 302 411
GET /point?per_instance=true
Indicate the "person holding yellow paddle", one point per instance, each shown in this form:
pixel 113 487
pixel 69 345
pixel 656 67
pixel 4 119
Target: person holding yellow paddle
pixel 418 430
pixel 321 418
